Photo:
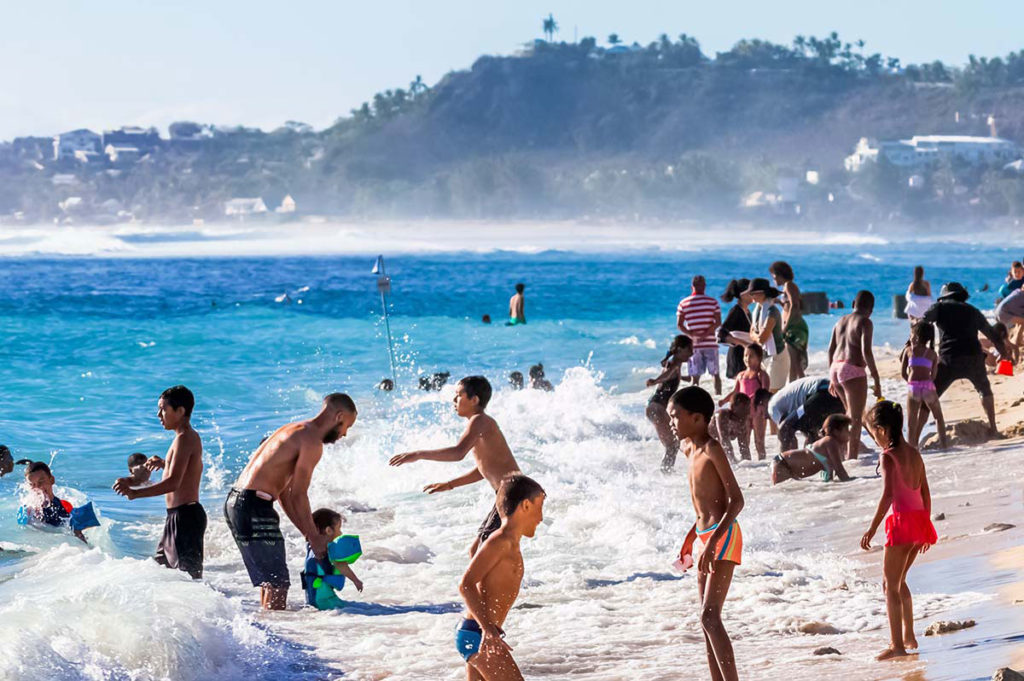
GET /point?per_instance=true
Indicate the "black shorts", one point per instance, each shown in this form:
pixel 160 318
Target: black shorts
pixel 491 523
pixel 970 367
pixel 256 528
pixel 181 547
pixel 816 409
pixel 664 392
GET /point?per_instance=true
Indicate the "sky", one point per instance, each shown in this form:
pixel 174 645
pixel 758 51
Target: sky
pixel 100 64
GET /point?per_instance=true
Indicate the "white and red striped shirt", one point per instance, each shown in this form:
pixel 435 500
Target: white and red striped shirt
pixel 697 314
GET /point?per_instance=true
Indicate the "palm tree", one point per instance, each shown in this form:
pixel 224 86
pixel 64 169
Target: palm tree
pixel 614 39
pixel 550 27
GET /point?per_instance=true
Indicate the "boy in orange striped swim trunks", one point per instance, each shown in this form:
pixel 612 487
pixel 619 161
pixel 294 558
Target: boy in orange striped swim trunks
pixel 717 500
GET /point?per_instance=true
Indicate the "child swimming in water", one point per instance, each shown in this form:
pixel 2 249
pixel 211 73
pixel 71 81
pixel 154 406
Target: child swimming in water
pixel 44 506
pixel 824 456
pixel 908 529
pixel 320 592
pixel 491 582
pixel 717 500
pixel 919 366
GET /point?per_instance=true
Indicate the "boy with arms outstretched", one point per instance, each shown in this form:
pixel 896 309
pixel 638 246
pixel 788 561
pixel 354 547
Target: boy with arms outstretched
pixel 483 437
pixel 492 580
pixel 717 500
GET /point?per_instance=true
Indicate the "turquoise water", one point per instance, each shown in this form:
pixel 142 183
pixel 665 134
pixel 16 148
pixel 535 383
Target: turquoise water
pixel 89 344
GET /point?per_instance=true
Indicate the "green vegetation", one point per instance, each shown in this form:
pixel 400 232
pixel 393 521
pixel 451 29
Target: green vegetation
pixel 568 130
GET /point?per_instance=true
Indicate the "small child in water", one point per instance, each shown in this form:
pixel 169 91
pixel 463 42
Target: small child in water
pixel 733 423
pixel 484 438
pixel 908 530
pixel 320 584
pixel 137 471
pixel 717 500
pixel 537 379
pixel 491 583
pixel 825 455
pixel 919 366
pixel 44 506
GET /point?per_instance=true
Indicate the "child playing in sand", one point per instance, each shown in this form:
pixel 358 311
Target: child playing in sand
pixel 748 382
pixel 992 356
pixel 483 437
pixel 679 353
pixel 319 584
pixel 733 423
pixel 492 580
pixel 825 455
pixel 908 530
pixel 919 366
pixel 717 500
pixel 44 506
pixel 850 358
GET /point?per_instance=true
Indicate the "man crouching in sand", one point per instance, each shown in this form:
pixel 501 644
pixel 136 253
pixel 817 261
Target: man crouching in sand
pixel 281 469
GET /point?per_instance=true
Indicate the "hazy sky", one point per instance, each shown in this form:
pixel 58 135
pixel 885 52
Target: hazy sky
pixel 104 63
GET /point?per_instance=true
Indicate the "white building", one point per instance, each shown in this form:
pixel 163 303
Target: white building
pixel 66 144
pixel 122 154
pixel 243 207
pixel 923 150
pixel 287 205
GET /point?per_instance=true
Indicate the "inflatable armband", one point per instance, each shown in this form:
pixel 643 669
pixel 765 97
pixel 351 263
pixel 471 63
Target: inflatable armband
pixel 345 549
pixel 83 517
pixel 22 516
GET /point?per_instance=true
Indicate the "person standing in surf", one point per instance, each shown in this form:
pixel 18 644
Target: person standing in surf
pixel 850 357
pixel 678 354
pixel 181 547
pixel 919 296
pixel 766 331
pixel 517 306
pixel 794 326
pixel 699 316
pixel 281 469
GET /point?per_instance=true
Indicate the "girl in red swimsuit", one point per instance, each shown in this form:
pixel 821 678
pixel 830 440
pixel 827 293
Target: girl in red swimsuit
pixel 908 530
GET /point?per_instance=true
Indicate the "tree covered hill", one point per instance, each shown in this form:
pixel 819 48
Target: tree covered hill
pixel 573 130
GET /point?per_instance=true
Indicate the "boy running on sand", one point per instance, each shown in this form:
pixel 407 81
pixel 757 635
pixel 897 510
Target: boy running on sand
pixel 483 437
pixel 492 580
pixel 849 359
pixel 908 530
pixel 717 500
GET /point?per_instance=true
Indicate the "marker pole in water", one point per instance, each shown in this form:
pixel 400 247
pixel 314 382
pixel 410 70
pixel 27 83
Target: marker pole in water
pixel 384 286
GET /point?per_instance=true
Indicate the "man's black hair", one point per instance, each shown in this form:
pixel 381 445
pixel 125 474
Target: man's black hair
pixel 479 387
pixel 324 518
pixel 341 401
pixel 179 396
pixel 864 299
pixel 520 287
pixel 696 400
pixel 516 488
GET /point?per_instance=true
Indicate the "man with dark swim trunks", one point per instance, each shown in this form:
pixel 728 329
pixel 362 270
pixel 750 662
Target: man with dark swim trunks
pixel 181 546
pixel 281 470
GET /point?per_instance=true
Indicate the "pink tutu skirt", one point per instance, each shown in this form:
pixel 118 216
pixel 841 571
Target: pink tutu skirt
pixel 909 527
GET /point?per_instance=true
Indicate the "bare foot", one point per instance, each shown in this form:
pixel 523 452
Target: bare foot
pixel 910 642
pixel 890 653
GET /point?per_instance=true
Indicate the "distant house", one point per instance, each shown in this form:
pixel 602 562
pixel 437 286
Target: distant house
pixel 122 154
pixel 67 144
pixel 924 150
pixel 143 139
pixel 243 207
pixel 287 205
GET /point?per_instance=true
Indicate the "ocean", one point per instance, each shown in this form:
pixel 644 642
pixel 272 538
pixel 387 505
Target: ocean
pixel 90 341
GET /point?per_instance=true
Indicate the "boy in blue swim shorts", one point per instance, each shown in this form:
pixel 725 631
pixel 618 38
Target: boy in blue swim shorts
pixel 492 580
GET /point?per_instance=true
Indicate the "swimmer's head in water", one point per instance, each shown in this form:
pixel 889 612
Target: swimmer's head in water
pixel 523 498
pixel 386 384
pixel 690 410
pixel 327 522
pixel 342 409
pixel 6 461
pixel 781 272
pixel 175 406
pixel 472 394
pixel 837 426
pixel 884 422
pixel 537 371
pixel 515 379
pixel 39 478
pixel 864 302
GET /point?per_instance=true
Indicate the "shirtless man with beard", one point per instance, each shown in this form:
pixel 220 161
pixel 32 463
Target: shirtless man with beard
pixel 281 470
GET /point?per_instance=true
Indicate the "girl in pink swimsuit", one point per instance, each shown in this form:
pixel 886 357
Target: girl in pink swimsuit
pixel 908 529
pixel 748 382
pixel 919 365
